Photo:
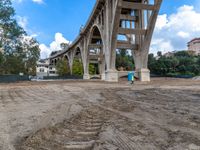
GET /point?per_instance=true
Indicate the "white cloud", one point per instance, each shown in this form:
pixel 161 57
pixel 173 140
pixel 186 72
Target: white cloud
pixel 35 1
pixel 23 22
pixel 160 45
pixel 17 1
pixel 182 34
pixel 54 46
pixel 161 21
pixel 44 51
pixel 172 32
pixel 38 1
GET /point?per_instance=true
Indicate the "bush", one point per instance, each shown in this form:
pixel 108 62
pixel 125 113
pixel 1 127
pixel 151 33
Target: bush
pixel 182 63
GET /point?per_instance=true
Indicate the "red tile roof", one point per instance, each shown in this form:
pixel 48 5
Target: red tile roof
pixel 195 39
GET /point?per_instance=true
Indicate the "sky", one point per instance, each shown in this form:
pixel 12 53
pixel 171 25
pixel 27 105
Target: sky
pixel 53 22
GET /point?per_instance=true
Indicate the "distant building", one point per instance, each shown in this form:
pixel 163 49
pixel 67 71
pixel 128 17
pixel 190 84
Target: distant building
pixel 194 46
pixel 45 69
pixel 170 54
pixel 42 68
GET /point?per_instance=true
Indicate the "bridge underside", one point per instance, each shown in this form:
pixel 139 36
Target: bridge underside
pixel 115 24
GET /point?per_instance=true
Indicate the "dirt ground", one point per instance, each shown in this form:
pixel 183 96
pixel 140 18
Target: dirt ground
pixel 77 115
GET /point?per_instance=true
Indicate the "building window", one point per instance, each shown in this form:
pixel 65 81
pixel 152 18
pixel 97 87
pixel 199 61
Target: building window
pixel 52 72
pixel 41 69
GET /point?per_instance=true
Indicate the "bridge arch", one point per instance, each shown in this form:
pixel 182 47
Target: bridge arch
pixel 77 62
pixel 66 58
pixel 96 53
pixel 98 29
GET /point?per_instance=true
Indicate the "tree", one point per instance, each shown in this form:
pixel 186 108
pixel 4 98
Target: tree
pixel 182 54
pixel 93 69
pixel 198 61
pixel 77 67
pixel 20 52
pixel 1 62
pixel 182 63
pixel 10 30
pixel 62 67
pixel 159 53
pixel 29 51
pixel 124 60
pixel 64 46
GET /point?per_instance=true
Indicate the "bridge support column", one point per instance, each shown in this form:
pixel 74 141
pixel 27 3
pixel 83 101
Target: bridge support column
pixel 112 76
pixel 71 67
pixel 103 76
pixel 143 74
pixel 102 68
pixel 141 61
pixel 86 76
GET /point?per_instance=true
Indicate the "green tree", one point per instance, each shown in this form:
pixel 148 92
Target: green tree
pixel 10 30
pixel 1 58
pixel 62 67
pixel 1 62
pixel 77 67
pixel 29 51
pixel 124 60
pixel 159 53
pixel 93 69
pixel 20 52
pixel 182 63
pixel 198 61
pixel 182 54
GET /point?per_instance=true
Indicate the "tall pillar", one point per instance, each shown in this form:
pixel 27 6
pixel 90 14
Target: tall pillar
pixel 86 75
pixel 112 30
pixel 141 55
pixel 112 73
pixel 141 60
pixel 102 66
pixel 70 61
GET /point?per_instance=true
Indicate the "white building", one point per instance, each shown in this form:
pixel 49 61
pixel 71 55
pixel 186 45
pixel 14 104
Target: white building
pixel 42 68
pixel 45 69
pixel 194 46
pixel 52 71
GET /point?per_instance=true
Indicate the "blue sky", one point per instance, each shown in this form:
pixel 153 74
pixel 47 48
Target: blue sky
pixel 53 20
pixel 52 16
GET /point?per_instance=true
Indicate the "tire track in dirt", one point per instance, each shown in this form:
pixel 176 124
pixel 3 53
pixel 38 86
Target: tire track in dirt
pixel 5 98
pixel 120 140
pixel 80 133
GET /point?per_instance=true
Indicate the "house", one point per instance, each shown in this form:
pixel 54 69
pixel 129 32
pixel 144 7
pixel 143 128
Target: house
pixel 170 54
pixel 44 69
pixel 194 46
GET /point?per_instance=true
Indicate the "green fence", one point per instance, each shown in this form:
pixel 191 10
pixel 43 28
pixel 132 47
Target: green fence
pixel 13 78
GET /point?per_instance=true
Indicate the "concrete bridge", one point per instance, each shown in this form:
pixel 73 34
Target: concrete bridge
pixel 114 24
